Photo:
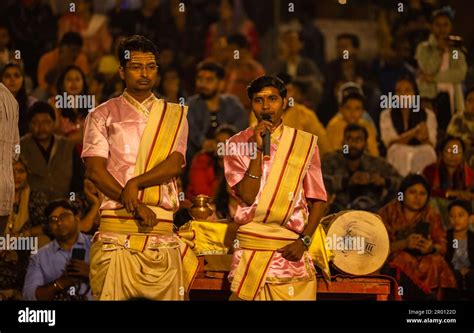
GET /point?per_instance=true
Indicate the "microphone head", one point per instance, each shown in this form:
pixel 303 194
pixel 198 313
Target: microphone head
pixel 266 116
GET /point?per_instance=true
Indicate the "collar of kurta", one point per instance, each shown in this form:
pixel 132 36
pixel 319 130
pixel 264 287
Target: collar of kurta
pixel 143 107
pixel 276 134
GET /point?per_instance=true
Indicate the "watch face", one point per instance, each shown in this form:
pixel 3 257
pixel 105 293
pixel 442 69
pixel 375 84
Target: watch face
pixel 307 240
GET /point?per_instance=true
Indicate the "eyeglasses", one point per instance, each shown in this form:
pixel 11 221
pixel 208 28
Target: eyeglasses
pixel 139 68
pixel 61 217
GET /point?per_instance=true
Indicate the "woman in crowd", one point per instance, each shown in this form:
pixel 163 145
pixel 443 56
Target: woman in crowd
pixel 70 120
pixel 409 134
pixel 27 219
pixel 13 77
pixel 417 242
pixel 450 177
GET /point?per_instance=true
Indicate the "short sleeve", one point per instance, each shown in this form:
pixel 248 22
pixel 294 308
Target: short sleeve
pixel 182 141
pixel 313 183
pixel 95 142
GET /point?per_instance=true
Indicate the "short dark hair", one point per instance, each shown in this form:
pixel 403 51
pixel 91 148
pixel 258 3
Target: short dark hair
pixel 413 179
pixel 135 43
pixel 239 40
pixel 352 95
pixel 356 128
pixel 466 205
pixel 38 108
pixel 285 77
pixel 66 204
pixel 212 66
pixel 71 39
pixel 226 128
pixel 444 141
pixel 469 91
pixel 266 81
pixel 354 38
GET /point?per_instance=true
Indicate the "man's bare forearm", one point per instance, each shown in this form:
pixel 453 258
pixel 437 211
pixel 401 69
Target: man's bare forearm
pixel 318 209
pixel 161 173
pixel 96 171
pixel 248 187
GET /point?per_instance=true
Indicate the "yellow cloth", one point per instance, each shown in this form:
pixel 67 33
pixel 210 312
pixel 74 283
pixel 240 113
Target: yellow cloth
pixel 208 237
pixel 16 221
pixel 302 118
pixel 335 131
pixel 295 291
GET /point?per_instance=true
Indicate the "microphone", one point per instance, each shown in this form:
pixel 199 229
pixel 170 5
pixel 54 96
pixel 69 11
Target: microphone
pixel 266 138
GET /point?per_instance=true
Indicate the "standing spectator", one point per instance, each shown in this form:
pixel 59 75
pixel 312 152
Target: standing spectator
pixel 299 67
pixel 443 67
pixel 53 63
pixel 91 26
pixel 13 77
pixel 210 108
pixel 409 136
pixel 33 29
pixel 55 166
pixel 462 126
pixel 241 69
pixel 9 151
pixel 232 20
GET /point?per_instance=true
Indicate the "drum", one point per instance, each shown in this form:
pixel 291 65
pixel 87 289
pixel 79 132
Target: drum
pixel 359 241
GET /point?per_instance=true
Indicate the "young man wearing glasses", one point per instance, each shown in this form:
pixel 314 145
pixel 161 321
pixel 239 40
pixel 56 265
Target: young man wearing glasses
pixel 134 149
pixel 53 273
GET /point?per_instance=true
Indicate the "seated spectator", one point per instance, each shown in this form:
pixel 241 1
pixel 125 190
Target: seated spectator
pixel 417 242
pixel 207 169
pixel 171 87
pixel 13 77
pixel 242 70
pixel 55 166
pixel 299 67
pixel 298 116
pixel 92 27
pixel 358 180
pixel 27 219
pixel 461 256
pixel 53 63
pixel 409 136
pixel 440 72
pixel 351 110
pixel 462 126
pixel 210 108
pixel 70 120
pixel 232 20
pixel 450 177
pixel 52 272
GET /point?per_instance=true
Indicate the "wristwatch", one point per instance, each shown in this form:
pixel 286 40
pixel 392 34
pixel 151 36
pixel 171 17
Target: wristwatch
pixel 306 240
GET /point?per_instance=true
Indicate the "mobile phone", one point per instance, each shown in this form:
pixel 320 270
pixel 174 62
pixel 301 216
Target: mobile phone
pixel 423 228
pixel 78 254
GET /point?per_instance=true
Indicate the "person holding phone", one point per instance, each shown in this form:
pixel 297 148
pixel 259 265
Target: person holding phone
pixel 60 270
pixel 417 242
